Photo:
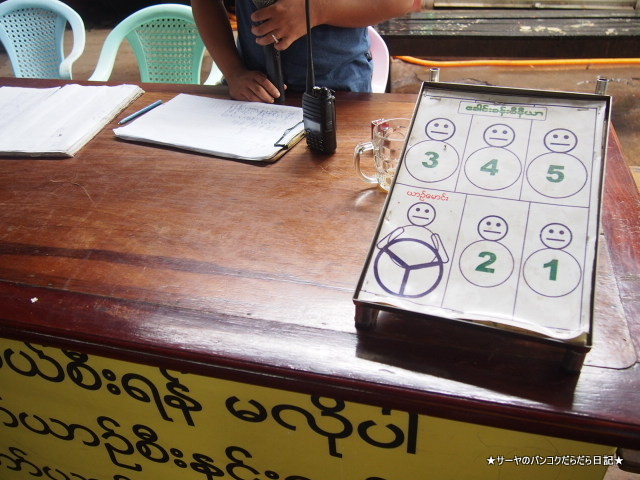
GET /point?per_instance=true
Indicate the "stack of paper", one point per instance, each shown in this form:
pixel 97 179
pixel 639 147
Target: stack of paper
pixel 224 128
pixel 57 121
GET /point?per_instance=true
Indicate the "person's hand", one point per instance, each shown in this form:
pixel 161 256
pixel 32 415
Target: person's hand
pixel 281 23
pixel 252 86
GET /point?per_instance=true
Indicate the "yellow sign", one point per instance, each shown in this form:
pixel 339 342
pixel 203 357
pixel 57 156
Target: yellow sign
pixel 69 416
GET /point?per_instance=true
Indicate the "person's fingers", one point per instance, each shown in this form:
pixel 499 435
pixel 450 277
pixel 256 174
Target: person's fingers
pixel 254 87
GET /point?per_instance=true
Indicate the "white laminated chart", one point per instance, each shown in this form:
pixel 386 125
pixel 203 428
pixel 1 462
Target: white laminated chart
pixel 494 214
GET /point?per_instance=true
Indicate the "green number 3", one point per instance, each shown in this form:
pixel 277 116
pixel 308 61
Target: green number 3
pixel 432 160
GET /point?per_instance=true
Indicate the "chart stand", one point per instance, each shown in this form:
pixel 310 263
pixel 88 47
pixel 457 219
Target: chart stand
pixel 493 216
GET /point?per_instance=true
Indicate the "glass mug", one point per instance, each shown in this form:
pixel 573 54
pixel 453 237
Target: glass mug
pixel 387 142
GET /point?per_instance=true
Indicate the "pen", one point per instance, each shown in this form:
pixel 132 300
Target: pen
pixel 140 112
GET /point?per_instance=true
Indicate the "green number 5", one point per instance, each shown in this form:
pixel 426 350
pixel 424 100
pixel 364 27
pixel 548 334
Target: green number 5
pixel 555 173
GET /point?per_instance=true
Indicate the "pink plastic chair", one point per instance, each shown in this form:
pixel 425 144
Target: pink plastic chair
pixel 380 54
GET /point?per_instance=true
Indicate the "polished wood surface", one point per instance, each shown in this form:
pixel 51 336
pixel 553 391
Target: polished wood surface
pixel 247 272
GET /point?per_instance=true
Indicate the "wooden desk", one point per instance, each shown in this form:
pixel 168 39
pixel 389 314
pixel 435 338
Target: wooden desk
pixel 246 272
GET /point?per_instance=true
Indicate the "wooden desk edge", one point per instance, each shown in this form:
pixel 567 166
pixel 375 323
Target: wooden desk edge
pixel 621 226
pixel 624 254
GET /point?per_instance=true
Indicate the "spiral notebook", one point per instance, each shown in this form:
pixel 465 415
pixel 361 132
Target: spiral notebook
pixel 58 121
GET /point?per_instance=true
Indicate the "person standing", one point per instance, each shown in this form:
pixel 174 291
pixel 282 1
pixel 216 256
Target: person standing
pixel 342 60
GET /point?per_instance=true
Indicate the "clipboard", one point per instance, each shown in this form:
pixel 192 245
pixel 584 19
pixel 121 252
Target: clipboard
pixel 224 128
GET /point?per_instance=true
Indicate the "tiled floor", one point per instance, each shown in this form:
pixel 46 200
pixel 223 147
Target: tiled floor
pixel 624 86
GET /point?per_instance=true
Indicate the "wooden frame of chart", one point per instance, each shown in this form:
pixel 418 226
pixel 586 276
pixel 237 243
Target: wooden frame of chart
pixel 493 216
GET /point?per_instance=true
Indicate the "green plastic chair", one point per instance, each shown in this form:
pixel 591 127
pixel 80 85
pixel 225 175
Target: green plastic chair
pixel 32 32
pixel 166 42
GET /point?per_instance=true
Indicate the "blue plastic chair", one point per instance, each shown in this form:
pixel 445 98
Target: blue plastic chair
pixel 166 43
pixel 32 32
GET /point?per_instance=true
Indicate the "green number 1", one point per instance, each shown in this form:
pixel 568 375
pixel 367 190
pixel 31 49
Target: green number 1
pixel 553 269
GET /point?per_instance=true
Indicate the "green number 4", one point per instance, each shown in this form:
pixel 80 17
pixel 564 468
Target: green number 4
pixel 491 167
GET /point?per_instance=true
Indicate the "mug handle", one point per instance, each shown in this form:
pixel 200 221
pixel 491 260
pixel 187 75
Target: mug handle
pixel 360 149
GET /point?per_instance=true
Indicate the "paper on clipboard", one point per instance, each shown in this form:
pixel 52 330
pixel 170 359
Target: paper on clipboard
pixel 220 127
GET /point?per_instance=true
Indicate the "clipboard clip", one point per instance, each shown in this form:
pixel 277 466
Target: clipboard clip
pixel 279 143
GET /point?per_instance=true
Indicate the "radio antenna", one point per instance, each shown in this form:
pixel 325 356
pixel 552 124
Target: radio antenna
pixel 311 76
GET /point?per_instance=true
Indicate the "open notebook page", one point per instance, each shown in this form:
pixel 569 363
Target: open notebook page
pixel 58 121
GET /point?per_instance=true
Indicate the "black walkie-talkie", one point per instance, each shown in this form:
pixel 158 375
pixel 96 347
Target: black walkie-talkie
pixel 318 106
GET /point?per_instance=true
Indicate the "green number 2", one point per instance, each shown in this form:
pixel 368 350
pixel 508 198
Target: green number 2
pixel 484 266
pixel 432 160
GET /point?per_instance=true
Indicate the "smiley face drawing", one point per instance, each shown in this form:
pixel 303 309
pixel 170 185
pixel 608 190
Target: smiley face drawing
pixel 556 236
pixel 487 262
pixel 499 135
pixel 434 160
pixel 551 271
pixel 440 129
pixel 558 173
pixel 560 140
pixel 411 259
pixel 493 228
pixel 494 167
pixel 421 214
